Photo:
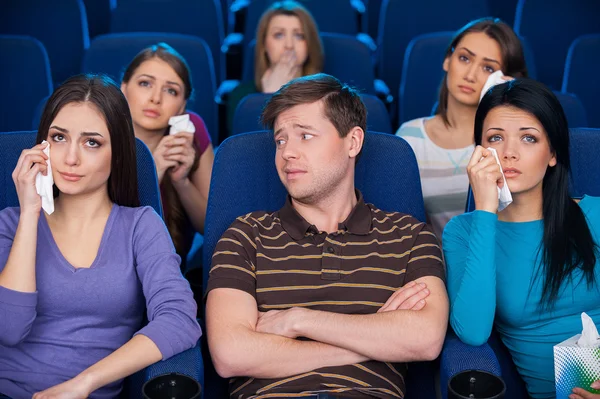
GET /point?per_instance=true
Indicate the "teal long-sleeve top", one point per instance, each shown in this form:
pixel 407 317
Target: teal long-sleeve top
pixel 493 274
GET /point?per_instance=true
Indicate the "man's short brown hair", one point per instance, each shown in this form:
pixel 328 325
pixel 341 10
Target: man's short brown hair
pixel 342 104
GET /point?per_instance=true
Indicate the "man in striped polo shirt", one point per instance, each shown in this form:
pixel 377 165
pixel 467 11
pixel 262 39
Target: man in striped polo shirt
pixel 328 295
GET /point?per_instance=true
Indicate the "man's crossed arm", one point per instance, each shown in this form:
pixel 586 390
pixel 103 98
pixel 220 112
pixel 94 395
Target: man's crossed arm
pixel 245 342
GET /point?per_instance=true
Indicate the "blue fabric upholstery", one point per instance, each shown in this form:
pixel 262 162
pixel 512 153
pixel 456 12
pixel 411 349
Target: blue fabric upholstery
pixel 13 143
pixel 457 357
pixel 98 14
pixel 110 54
pixel 244 179
pixel 247 114
pixel 148 188
pixel 400 21
pixel 189 363
pixel 25 79
pixel 422 74
pixel 201 18
pixel 574 109
pixel 340 52
pixel 378 118
pixel 60 25
pixel 584 51
pixel 585 163
pixel 492 357
pixel 571 18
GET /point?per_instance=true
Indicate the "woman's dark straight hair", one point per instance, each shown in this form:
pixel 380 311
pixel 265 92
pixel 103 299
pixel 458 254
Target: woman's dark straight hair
pixel 106 96
pixel 567 243
pixel 513 59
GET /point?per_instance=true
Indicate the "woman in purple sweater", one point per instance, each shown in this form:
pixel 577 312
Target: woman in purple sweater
pixel 74 284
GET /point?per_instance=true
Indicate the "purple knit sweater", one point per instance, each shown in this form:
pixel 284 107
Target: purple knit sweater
pixel 79 316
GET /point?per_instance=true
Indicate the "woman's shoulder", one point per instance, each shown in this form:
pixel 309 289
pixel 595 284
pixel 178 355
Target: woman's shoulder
pixel 201 136
pixel 133 216
pixel 591 208
pixel 412 129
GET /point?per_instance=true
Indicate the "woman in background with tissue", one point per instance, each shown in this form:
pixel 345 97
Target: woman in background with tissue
pixel 157 84
pixel 530 269
pixel 443 143
pixel 77 277
pixel 287 47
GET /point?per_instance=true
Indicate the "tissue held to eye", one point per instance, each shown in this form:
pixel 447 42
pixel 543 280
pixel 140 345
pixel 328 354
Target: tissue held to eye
pixel 43 184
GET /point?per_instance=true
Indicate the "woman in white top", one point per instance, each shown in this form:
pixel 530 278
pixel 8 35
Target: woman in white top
pixel 443 144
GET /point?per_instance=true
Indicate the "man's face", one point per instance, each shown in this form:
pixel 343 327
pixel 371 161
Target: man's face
pixel 311 158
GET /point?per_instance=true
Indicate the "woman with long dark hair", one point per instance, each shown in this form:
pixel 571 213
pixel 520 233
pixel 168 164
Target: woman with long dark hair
pixel 443 143
pixel 531 269
pixel 76 283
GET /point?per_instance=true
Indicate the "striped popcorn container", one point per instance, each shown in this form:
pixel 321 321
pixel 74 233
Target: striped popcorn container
pixel 575 366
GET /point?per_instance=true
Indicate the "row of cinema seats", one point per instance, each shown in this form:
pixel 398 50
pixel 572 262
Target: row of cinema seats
pixel 28 66
pixel 402 64
pixel 387 175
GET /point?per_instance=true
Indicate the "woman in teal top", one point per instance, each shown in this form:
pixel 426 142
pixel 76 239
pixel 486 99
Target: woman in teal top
pixel 531 269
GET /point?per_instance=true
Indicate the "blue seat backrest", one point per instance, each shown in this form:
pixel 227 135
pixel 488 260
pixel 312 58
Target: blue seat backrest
pixel 563 21
pixel 25 79
pixel 13 143
pixel 248 112
pixel 201 18
pixel 400 21
pixel 112 53
pixel 60 25
pixel 574 109
pixel 584 52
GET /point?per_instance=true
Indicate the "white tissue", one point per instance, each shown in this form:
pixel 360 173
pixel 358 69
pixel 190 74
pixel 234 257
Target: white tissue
pixel 589 335
pixel 181 123
pixel 44 184
pixel 492 80
pixel 504 195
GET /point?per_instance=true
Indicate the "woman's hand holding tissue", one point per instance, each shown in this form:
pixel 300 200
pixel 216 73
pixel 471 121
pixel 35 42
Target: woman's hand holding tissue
pixel 485 176
pixel 175 152
pixel 30 163
pixel 579 393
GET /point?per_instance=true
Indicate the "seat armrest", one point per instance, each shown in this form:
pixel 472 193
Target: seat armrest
pixel 457 357
pixel 224 90
pixel 383 92
pixel 188 363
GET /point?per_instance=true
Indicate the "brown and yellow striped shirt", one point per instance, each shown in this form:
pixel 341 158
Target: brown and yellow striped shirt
pixel 284 261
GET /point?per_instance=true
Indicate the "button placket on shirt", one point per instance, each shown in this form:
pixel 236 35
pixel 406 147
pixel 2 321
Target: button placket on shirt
pixel 330 265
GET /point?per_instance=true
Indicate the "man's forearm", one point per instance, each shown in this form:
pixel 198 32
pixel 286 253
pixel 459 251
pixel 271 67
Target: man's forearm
pixel 262 355
pixel 396 336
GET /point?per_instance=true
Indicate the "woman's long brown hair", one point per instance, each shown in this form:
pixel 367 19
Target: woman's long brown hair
pixel 175 216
